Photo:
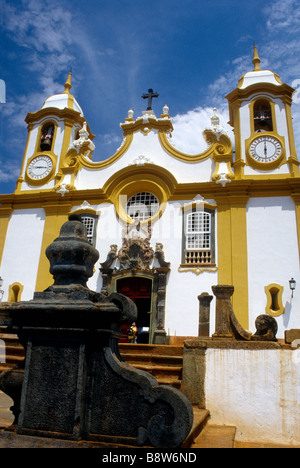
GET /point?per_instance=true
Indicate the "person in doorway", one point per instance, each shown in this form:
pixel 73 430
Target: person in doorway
pixel 132 333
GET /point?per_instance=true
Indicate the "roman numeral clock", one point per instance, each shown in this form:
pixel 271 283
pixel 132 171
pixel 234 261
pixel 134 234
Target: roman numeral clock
pixel 265 151
pixel 39 169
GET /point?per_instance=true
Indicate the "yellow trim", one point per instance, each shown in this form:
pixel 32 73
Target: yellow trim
pixel 254 186
pixel 84 162
pixel 239 258
pixel 15 292
pixel 232 251
pixel 21 178
pixel 218 147
pixel 224 242
pixel 56 216
pixel 197 270
pixel 283 91
pixel 274 298
pixel 5 213
pixel 292 160
pixel 296 198
pixel 230 175
pixel 84 211
pixel 48 112
pixel 162 125
pixel 67 165
pixel 236 122
pixel 133 179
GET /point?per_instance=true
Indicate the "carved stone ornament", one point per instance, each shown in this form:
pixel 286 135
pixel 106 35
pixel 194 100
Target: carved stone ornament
pixel 83 142
pixel 136 252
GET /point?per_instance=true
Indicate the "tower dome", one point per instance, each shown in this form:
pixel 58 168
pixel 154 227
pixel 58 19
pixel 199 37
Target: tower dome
pixel 257 75
pixel 64 100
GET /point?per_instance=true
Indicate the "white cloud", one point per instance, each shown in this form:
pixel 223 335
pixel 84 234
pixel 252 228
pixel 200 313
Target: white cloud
pixel 11 172
pixel 283 15
pixel 188 128
pixel 43 30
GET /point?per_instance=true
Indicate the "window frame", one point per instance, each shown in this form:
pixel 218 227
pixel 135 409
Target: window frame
pixel 92 239
pixel 151 214
pixel 203 252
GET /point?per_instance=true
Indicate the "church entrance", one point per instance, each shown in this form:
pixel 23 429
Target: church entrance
pixel 139 290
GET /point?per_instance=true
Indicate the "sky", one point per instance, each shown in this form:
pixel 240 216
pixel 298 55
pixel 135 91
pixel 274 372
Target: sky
pixel 191 52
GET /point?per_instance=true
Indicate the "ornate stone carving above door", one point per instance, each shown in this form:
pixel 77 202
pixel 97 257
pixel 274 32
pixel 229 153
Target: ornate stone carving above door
pixel 137 258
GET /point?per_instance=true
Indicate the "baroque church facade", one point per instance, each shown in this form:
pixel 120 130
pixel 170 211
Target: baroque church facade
pixel 168 225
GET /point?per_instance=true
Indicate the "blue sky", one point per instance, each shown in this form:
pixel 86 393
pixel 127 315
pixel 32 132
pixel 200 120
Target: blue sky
pixel 191 52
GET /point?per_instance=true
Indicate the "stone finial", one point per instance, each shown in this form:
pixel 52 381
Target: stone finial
pixel 71 256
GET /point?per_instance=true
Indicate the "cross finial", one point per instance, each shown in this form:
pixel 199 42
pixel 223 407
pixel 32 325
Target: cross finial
pixel 150 95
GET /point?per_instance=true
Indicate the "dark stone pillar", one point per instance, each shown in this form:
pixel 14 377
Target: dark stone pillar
pixel 159 334
pixel 223 328
pixel 204 313
pixel 227 326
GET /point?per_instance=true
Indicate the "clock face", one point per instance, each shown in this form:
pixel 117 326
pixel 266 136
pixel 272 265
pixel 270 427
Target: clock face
pixel 265 149
pixel 40 167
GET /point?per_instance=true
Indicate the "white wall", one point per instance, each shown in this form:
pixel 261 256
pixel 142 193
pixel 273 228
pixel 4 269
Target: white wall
pixel 273 257
pixel 22 250
pixel 255 390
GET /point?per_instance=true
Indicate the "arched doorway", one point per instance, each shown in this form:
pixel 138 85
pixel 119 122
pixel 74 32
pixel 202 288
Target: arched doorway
pixel 139 290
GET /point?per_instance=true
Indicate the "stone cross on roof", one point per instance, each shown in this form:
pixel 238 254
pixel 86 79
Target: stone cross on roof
pixel 150 95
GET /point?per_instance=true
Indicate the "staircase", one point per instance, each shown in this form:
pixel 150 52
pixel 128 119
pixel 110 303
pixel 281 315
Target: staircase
pixel 162 361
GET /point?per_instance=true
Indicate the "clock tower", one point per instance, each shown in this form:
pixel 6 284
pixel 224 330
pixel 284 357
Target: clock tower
pixel 51 132
pixel 260 113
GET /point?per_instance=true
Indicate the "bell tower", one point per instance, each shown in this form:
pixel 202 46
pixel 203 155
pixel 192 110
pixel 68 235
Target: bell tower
pixel 260 113
pixel 51 131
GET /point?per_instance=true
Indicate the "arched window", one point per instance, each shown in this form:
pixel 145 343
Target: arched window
pixel 142 206
pixel 47 137
pixel 262 114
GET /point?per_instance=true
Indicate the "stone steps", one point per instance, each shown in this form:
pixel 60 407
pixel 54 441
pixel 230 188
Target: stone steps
pixel 163 362
pixel 14 351
pixel 214 436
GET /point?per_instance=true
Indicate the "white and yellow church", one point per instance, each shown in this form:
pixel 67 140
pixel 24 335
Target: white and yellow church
pixel 168 225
